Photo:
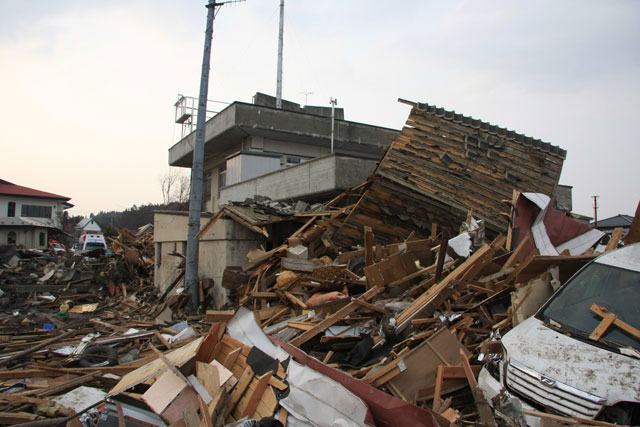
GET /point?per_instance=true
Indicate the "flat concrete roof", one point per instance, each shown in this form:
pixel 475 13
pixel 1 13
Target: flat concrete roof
pixel 228 127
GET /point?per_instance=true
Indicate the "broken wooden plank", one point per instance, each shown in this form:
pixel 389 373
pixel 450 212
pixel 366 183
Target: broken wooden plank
pixel 485 411
pixel 255 397
pixel 219 315
pixel 602 311
pixel 36 347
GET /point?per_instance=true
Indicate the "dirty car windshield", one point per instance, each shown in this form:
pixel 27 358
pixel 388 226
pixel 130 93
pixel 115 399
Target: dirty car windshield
pixel 92 246
pixel 616 289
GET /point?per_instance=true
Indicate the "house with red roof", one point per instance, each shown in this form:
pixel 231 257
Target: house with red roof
pixel 29 217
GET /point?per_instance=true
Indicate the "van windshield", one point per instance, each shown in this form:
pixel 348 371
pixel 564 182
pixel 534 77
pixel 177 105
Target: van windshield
pixel 616 289
pixel 93 245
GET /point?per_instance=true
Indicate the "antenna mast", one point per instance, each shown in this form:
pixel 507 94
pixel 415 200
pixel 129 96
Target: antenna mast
pixel 280 40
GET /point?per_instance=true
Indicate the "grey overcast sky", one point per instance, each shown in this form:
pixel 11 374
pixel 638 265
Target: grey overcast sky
pixel 89 85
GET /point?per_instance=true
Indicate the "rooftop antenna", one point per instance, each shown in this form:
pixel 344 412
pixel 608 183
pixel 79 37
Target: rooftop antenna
pixel 333 102
pixel 195 199
pixel 595 211
pixel 306 96
pixel 280 39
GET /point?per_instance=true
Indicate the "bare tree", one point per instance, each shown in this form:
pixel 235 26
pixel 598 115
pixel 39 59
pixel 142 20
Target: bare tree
pixel 174 184
pixel 183 189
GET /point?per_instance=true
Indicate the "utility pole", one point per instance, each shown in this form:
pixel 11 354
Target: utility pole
pixel 195 200
pixel 333 102
pixel 595 211
pixel 280 41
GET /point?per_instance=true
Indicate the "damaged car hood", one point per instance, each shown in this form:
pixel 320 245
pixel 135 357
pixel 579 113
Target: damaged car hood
pixel 573 362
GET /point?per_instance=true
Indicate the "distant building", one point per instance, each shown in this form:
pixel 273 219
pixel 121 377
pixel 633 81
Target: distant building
pixel 29 217
pixel 608 224
pixel 87 226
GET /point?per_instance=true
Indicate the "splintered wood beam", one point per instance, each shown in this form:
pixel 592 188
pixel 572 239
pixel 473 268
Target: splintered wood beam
pixel 602 312
pixel 335 318
pixel 517 253
pixel 209 224
pixel 441 255
pixel 486 414
pixel 368 246
pixel 603 326
pixel 614 240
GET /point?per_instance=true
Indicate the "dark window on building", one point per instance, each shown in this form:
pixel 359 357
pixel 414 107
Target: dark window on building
pixel 206 187
pixel 11 238
pixel 11 209
pixel 43 239
pixel 35 211
pixel 222 177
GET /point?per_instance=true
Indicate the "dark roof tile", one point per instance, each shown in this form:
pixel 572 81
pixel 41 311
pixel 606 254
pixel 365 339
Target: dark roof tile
pixel 491 129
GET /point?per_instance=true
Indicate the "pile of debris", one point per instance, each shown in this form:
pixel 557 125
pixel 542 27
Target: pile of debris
pixel 380 309
pixel 393 318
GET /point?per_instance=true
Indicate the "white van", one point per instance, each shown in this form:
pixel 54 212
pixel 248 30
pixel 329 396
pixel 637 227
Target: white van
pixel 550 362
pixel 89 242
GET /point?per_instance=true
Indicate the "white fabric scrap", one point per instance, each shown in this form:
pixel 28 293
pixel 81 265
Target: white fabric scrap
pixel 317 400
pixel 244 328
pixel 461 245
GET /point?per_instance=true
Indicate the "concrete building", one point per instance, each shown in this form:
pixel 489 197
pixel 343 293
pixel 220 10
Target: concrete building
pixel 28 216
pixel 257 149
pixel 281 153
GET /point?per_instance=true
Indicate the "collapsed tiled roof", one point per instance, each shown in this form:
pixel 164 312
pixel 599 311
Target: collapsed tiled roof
pixel 488 127
pixel 616 221
pixel 10 189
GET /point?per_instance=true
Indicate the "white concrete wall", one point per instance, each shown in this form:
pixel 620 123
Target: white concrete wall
pixel 225 244
pixel 56 208
pixel 29 237
pixel 325 174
